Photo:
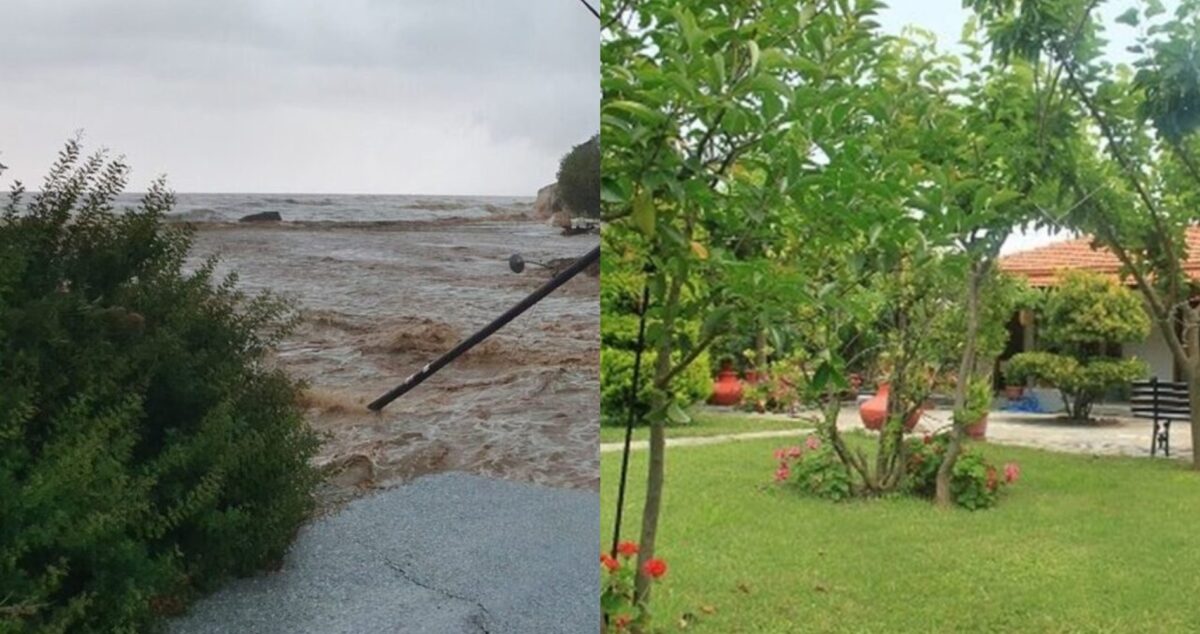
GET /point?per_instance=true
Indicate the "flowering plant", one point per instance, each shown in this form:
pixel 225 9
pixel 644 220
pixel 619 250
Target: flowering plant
pixel 815 469
pixel 618 601
pixel 975 483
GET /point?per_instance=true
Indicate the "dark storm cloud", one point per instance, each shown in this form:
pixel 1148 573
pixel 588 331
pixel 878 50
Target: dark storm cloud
pixel 360 95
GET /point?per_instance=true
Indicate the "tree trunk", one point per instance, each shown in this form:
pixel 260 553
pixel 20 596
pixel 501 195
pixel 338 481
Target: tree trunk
pixel 654 477
pixel 966 372
pixel 1192 329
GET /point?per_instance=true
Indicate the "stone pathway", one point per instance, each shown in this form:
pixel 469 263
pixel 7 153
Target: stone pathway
pixel 1118 436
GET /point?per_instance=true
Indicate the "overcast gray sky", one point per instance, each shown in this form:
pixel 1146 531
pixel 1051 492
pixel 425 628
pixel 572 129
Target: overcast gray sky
pixel 347 96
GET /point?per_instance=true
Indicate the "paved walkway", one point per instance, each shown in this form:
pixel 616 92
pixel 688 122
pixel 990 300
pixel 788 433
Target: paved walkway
pixel 445 554
pixel 1119 435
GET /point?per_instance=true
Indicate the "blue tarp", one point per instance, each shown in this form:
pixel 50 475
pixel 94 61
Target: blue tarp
pixel 1027 403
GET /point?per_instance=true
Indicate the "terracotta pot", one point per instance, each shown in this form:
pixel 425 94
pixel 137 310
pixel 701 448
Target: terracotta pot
pixel 1014 392
pixel 873 411
pixel 727 389
pixel 979 430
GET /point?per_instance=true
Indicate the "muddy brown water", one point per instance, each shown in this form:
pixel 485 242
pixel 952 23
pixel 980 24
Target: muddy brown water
pixel 380 301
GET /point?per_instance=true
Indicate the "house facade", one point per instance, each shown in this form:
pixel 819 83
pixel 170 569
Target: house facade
pixel 1043 266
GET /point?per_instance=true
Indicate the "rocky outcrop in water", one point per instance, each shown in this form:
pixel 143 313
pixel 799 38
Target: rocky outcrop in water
pixel 548 202
pixel 263 216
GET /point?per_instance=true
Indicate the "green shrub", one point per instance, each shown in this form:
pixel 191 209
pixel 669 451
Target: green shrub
pixel 974 483
pixel 1080 383
pixel 619 297
pixel 579 178
pixel 147 448
pixel 692 385
pixel 815 469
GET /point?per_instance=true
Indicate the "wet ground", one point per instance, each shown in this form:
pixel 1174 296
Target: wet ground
pixel 380 301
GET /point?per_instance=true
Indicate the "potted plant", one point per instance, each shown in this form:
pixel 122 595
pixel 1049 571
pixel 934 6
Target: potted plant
pixel 979 403
pixel 1015 377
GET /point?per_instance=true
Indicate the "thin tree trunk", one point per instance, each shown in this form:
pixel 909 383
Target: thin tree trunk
pixel 1192 329
pixel 966 372
pixel 654 478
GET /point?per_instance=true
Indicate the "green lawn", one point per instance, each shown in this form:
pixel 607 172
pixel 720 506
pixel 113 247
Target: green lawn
pixel 1080 544
pixel 710 423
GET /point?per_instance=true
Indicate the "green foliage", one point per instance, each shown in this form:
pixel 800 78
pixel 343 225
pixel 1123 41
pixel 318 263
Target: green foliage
pixel 579 178
pixel 147 448
pixel 620 294
pixel 815 469
pixel 1086 310
pixel 974 483
pixel 1081 383
pixel 692 385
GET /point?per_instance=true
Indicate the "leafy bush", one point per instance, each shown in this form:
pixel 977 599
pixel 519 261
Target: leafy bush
pixel 619 296
pixel 147 450
pixel 815 469
pixel 1080 383
pixel 1087 310
pixel 579 178
pixel 974 483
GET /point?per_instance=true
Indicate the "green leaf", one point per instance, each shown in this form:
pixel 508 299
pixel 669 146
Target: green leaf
pixel 676 415
pixel 644 214
pixel 639 110
pixel 1130 17
pixel 754 55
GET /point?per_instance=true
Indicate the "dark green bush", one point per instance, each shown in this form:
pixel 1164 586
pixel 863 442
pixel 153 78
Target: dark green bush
pixel 619 295
pixel 579 178
pixel 147 448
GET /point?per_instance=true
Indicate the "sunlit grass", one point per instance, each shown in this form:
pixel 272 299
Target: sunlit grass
pixel 1080 544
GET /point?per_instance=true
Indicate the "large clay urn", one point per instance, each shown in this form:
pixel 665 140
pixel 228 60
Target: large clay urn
pixel 874 411
pixel 727 389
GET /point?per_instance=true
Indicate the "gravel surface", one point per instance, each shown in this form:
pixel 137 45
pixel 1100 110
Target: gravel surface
pixel 449 553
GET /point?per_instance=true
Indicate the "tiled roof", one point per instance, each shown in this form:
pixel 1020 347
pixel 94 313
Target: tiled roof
pixel 1042 265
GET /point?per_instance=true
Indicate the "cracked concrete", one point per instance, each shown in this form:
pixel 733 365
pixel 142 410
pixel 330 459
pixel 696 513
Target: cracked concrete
pixel 450 553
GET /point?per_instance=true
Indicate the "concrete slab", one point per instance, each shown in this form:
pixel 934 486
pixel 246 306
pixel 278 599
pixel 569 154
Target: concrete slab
pixel 449 553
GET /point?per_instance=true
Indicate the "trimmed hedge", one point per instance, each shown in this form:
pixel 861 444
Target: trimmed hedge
pixel 147 448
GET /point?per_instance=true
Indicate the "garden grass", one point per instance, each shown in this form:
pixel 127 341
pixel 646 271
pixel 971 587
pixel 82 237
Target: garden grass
pixel 1079 544
pixel 709 423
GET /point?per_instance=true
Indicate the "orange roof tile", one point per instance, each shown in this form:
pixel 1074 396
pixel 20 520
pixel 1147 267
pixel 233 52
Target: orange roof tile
pixel 1042 265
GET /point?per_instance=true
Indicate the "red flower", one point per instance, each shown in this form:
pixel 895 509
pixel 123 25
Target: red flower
pixel 813 443
pixel 627 549
pixel 782 473
pixel 794 452
pixel 621 622
pixel 780 454
pixel 1011 472
pixel 608 562
pixel 655 568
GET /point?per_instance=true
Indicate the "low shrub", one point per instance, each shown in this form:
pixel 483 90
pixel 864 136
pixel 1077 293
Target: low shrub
pixel 148 450
pixel 815 469
pixel 693 384
pixel 1081 383
pixel 975 483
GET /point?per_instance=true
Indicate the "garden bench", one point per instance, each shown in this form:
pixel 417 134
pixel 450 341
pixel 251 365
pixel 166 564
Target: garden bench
pixel 1161 402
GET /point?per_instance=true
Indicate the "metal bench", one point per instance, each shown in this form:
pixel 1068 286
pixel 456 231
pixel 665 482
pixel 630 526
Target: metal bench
pixel 1161 402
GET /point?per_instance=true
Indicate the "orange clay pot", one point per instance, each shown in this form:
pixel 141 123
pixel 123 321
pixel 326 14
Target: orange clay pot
pixel 727 389
pixel 874 411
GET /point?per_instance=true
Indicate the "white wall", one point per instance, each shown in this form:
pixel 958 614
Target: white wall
pixel 1155 352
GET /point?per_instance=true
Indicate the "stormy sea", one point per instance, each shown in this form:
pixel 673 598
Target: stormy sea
pixel 384 285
